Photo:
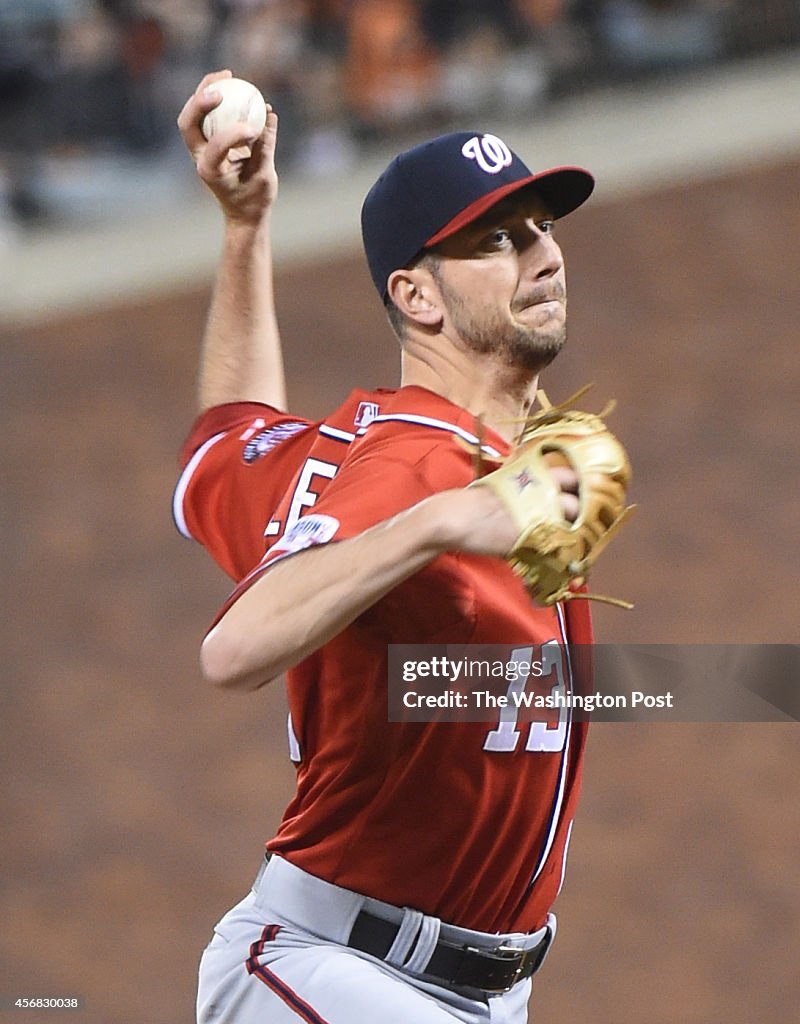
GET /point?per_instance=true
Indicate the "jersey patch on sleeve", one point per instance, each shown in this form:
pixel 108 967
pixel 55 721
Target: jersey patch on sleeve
pixel 310 530
pixel 268 439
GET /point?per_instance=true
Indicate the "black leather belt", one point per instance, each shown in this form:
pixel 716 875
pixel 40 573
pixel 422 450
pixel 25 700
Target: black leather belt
pixel 492 971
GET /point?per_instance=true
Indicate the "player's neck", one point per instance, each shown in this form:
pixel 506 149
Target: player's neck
pixel 500 395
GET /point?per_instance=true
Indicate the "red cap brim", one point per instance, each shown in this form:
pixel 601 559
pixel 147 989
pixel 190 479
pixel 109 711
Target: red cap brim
pixel 563 189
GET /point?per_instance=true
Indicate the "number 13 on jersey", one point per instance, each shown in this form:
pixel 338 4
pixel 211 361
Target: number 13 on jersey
pixel 543 737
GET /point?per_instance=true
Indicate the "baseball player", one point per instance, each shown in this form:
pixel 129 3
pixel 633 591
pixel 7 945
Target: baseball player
pixel 412 876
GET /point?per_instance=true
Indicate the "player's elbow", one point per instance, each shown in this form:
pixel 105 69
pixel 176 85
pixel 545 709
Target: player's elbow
pixel 223 665
pixel 217 660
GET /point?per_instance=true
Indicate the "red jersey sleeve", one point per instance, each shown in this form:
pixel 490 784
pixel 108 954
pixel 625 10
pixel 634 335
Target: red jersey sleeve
pixel 236 465
pixel 382 476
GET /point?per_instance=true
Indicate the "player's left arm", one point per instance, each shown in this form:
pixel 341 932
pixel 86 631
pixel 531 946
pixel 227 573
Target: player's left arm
pixel 361 548
pixel 241 358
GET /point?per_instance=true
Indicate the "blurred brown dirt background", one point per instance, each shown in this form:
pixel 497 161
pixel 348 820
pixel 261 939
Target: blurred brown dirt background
pixel 136 800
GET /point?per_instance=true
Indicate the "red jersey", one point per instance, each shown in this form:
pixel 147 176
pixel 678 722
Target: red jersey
pixel 238 462
pixel 468 822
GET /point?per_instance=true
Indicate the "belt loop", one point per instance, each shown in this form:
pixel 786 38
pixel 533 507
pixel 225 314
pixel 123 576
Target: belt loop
pixel 404 940
pixel 427 940
pixel 257 883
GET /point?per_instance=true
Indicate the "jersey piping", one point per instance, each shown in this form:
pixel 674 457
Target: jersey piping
pixel 183 484
pixel 427 421
pixel 562 775
pixel 564 858
pixel 338 435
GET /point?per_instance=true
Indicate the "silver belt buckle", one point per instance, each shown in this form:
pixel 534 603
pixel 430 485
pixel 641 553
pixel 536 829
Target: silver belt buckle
pixel 506 953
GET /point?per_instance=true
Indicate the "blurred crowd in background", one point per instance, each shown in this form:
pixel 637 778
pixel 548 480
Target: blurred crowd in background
pixel 109 76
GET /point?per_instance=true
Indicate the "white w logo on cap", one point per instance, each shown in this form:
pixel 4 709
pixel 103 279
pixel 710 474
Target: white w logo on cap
pixel 491 153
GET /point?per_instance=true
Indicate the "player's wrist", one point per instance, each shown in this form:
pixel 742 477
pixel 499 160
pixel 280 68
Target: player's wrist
pixel 443 522
pixel 244 231
pixel 253 216
pixel 471 519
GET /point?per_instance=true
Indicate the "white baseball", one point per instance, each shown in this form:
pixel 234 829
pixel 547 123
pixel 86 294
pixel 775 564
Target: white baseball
pixel 241 101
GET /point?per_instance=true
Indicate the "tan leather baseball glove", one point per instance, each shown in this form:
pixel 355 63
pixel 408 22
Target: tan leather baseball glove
pixel 554 556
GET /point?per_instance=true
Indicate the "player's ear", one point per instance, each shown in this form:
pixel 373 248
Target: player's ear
pixel 413 291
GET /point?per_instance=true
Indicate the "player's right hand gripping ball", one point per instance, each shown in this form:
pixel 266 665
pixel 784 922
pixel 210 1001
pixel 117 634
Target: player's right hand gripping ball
pixel 552 554
pixel 241 102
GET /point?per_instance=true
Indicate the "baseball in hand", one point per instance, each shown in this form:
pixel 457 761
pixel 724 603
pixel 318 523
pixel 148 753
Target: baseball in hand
pixel 241 101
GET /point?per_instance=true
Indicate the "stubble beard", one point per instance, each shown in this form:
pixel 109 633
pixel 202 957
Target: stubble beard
pixel 486 332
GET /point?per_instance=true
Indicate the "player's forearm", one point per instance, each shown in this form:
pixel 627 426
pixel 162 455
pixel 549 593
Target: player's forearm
pixel 241 358
pixel 309 598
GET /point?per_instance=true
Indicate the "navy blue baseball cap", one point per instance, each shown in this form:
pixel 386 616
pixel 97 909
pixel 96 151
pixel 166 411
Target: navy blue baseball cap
pixel 431 191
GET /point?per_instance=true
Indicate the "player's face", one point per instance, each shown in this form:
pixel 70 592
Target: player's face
pixel 503 285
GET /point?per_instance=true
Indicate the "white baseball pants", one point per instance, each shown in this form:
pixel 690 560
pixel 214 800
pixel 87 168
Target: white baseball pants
pixel 279 957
